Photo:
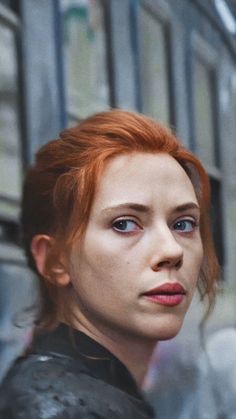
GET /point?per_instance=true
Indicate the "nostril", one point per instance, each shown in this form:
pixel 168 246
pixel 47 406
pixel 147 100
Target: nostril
pixel 179 264
pixel 160 265
pixel 163 263
pixel 167 263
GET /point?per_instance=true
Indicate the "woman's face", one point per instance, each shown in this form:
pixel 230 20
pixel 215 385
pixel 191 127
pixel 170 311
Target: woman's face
pixel 137 268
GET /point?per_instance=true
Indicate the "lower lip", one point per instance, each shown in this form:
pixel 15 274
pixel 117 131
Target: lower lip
pixel 169 300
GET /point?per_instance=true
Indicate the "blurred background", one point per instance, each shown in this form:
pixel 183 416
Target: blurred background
pixel 175 60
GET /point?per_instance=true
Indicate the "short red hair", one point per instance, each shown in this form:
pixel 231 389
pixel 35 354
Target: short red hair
pixel 59 188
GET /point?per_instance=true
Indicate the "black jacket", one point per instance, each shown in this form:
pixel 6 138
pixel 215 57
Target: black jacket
pixel 68 375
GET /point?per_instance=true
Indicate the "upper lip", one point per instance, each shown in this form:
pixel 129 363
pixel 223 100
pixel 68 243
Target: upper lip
pixel 167 288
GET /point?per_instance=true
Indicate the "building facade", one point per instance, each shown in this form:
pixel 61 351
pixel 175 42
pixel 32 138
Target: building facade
pixel 61 60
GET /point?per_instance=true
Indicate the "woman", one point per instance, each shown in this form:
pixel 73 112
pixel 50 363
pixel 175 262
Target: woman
pixel 115 225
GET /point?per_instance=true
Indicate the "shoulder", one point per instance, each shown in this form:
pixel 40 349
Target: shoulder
pixel 47 387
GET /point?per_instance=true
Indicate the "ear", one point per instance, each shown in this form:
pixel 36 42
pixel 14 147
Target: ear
pixel 41 248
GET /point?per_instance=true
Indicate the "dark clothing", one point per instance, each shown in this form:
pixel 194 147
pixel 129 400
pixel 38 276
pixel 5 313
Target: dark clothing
pixel 68 375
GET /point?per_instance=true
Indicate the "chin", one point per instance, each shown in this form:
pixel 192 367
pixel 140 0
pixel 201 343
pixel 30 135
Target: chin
pixel 164 330
pixel 169 335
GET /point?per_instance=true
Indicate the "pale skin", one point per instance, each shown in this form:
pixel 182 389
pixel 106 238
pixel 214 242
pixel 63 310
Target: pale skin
pixel 143 232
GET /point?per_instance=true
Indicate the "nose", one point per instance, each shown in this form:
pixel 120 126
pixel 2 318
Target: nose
pixel 167 253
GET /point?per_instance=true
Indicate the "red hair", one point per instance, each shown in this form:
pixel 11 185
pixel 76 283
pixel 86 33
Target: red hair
pixel 59 189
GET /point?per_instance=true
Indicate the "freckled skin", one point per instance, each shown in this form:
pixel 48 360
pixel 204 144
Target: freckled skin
pixel 112 269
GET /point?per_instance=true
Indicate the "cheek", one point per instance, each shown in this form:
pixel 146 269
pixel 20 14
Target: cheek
pixel 192 260
pixel 196 264
pixel 96 266
pixel 107 256
pixel 199 256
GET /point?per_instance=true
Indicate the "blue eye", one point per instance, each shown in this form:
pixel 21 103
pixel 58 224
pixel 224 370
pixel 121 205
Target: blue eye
pixel 185 226
pixel 125 226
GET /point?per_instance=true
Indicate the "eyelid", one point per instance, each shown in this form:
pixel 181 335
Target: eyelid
pixel 193 220
pixel 126 218
pixel 189 217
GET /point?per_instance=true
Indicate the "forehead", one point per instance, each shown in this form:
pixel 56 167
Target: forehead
pixel 143 177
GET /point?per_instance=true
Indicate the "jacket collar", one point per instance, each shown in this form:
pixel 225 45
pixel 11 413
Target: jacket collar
pixel 98 361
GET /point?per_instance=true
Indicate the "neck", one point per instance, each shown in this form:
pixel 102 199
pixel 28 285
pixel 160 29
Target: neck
pixel 135 356
pixel 133 352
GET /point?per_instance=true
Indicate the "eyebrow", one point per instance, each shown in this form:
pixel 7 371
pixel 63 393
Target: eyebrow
pixel 129 205
pixel 145 209
pixel 187 206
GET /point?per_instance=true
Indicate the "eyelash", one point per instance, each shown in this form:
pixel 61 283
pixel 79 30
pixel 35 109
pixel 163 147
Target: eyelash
pixel 194 224
pixel 122 220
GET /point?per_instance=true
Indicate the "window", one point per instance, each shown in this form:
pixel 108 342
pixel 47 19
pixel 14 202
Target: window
pixel 204 100
pixel 85 57
pixel 154 66
pixel 205 135
pixel 217 217
pixel 10 152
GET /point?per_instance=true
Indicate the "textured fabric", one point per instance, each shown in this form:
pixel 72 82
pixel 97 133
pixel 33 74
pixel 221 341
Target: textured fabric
pixel 68 375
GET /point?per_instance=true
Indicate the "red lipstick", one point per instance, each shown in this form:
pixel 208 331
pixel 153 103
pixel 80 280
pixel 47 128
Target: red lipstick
pixel 169 294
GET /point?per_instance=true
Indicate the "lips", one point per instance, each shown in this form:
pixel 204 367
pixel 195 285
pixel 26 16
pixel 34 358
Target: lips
pixel 169 294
